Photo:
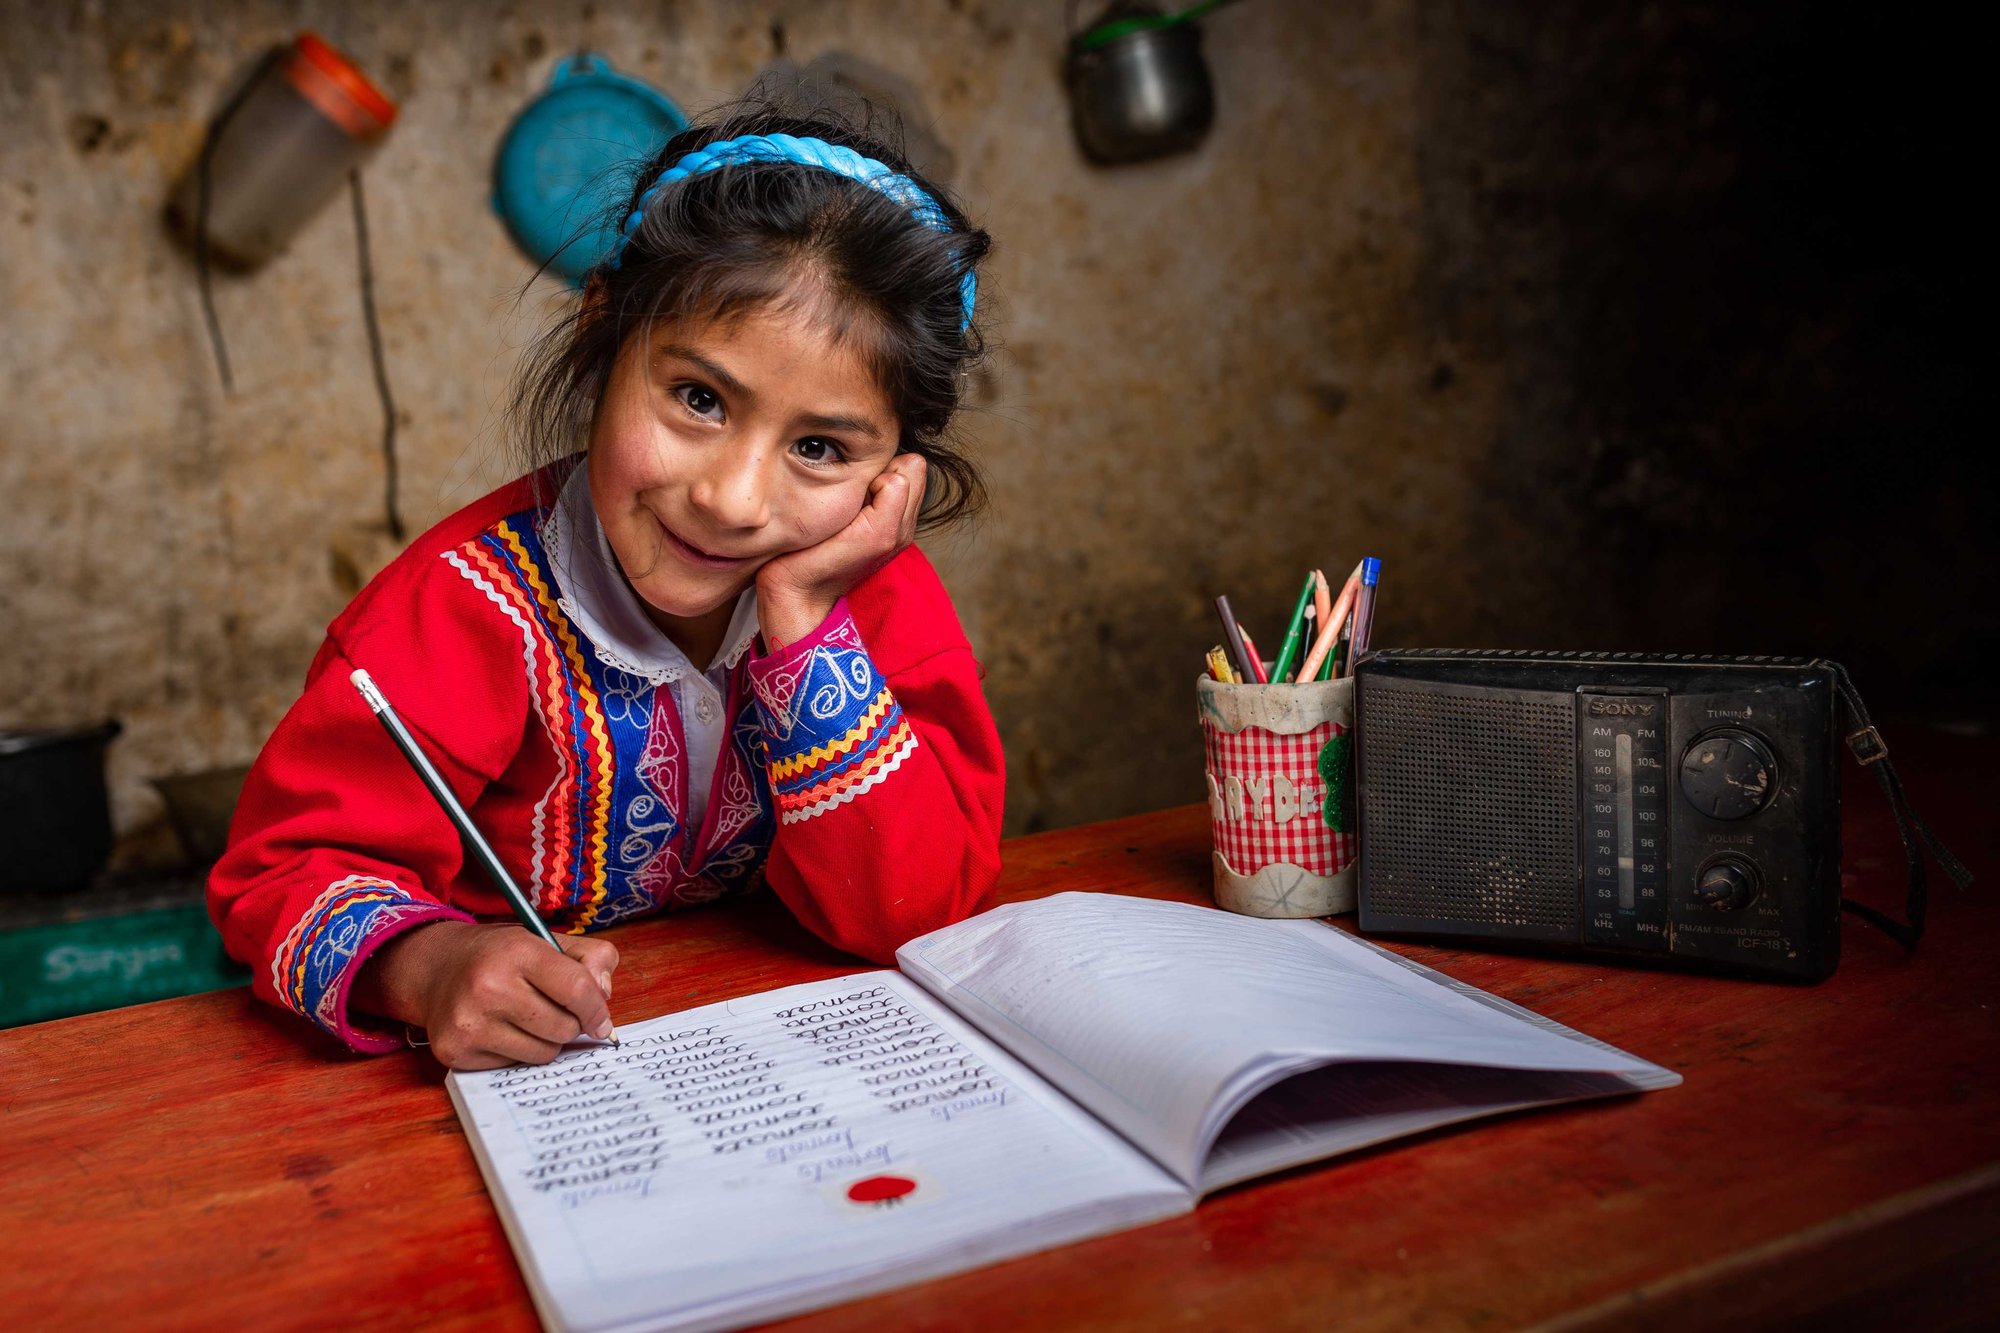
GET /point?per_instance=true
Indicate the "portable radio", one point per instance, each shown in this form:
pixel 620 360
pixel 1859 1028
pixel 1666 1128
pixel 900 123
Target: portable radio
pixel 1681 810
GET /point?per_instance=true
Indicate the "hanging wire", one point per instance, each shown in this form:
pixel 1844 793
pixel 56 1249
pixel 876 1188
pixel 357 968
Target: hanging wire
pixel 206 174
pixel 202 256
pixel 375 352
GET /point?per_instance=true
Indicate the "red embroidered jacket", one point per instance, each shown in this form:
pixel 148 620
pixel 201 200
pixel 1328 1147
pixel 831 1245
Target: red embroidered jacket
pixel 862 772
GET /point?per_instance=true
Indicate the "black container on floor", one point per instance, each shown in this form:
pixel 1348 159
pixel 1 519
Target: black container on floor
pixel 55 814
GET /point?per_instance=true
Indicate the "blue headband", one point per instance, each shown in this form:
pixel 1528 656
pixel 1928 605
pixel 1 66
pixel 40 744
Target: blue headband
pixel 812 153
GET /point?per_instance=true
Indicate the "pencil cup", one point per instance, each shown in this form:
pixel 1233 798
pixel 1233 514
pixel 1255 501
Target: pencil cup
pixel 1280 795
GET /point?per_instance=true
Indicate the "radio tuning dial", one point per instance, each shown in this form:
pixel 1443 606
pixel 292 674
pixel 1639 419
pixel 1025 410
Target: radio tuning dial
pixel 1726 884
pixel 1728 775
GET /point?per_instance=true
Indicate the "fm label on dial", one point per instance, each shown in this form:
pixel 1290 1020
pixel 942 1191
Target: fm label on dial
pixel 1728 774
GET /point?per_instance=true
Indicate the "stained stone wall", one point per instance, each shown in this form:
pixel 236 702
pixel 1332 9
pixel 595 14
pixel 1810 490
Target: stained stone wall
pixel 1604 325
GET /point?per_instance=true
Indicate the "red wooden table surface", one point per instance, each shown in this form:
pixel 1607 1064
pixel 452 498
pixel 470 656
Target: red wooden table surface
pixel 1835 1150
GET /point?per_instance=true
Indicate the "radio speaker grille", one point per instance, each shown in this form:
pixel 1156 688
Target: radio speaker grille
pixel 1468 811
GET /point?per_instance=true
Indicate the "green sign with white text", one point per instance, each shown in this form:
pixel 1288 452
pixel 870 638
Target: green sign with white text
pixel 80 967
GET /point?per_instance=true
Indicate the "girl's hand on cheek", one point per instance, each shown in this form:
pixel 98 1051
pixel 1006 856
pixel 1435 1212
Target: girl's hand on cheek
pixel 796 591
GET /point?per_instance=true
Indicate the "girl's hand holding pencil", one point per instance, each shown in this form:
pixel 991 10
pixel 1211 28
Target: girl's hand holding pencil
pixel 487 995
pixel 490 995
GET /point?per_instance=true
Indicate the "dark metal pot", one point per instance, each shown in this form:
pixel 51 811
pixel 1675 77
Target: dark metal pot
pixel 55 814
pixel 200 806
pixel 1142 94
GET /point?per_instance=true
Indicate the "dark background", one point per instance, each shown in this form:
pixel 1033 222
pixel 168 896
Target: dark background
pixel 1738 244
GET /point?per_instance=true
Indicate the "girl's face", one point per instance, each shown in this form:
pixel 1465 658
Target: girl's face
pixel 718 447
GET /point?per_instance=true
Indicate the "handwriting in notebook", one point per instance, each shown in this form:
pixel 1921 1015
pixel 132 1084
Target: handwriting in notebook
pixel 902 1059
pixel 812 1090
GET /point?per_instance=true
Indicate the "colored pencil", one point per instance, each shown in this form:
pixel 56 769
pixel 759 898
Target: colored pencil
pixel 1329 633
pixel 1288 652
pixel 1257 671
pixel 1232 636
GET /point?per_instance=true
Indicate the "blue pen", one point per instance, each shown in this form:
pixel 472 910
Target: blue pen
pixel 1364 611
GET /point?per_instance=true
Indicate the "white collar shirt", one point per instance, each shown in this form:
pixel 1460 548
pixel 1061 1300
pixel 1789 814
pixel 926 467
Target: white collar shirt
pixel 599 600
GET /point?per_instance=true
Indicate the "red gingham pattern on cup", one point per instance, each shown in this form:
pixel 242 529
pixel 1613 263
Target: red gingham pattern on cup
pixel 1277 815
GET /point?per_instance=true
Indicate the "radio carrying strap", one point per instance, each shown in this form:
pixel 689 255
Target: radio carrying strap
pixel 1868 747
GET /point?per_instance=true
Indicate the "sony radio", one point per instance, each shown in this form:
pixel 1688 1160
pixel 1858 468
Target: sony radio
pixel 1675 809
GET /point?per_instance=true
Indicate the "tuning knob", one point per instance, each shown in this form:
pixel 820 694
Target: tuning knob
pixel 1726 884
pixel 1728 774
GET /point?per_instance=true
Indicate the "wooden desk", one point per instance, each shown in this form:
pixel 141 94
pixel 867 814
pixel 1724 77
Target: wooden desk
pixel 207 1162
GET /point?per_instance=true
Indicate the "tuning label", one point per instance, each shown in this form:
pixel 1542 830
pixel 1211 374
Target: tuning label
pixel 1621 768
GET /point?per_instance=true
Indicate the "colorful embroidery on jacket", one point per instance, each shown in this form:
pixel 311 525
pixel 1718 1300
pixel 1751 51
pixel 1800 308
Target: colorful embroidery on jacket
pixel 840 731
pixel 307 967
pixel 611 837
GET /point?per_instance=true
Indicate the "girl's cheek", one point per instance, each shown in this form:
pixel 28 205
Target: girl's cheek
pixel 816 517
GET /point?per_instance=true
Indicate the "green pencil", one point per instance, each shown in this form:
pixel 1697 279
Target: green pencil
pixel 1288 655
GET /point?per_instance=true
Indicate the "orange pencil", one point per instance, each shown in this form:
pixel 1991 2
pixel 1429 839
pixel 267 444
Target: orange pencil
pixel 1329 632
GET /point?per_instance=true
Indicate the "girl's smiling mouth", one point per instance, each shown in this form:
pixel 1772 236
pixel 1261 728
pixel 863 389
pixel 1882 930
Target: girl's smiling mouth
pixel 696 555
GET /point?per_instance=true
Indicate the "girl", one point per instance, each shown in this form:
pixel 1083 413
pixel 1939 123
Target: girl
pixel 703 653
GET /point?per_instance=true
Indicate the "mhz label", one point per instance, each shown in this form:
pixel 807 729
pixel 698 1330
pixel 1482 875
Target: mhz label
pixel 1621 767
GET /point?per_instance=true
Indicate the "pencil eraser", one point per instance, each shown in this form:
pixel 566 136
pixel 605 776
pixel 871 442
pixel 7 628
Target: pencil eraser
pixel 1371 569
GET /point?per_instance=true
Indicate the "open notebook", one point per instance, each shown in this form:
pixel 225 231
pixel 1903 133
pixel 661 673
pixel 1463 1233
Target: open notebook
pixel 1040 1073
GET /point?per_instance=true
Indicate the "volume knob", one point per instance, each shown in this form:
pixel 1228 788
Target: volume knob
pixel 1728 775
pixel 1726 885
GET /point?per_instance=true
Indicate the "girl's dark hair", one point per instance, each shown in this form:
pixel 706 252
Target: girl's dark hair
pixel 727 241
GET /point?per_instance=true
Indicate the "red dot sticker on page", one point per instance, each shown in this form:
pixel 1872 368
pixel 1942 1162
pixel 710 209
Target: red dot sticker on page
pixel 882 1190
pixel 906 1186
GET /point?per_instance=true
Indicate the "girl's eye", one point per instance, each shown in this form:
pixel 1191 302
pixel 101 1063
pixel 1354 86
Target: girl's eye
pixel 819 451
pixel 700 400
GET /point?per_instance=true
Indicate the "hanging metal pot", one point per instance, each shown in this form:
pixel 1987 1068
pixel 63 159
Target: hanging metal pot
pixel 1138 85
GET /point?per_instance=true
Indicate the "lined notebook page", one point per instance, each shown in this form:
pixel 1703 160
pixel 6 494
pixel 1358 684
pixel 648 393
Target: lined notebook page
pixel 783 1151
pixel 1163 1018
